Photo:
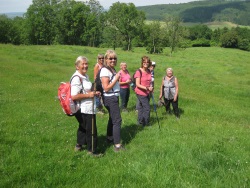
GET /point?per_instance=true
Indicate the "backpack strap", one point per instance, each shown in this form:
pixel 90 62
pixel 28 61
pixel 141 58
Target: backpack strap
pixel 75 76
pixel 81 89
pixel 109 68
pixel 80 81
pixel 140 74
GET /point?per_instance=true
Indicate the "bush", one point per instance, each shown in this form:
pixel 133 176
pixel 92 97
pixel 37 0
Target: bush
pixel 244 44
pixel 229 40
pixel 201 43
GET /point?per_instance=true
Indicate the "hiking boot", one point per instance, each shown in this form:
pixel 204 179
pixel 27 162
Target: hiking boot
pixel 125 110
pixel 120 148
pixel 78 147
pixel 109 141
pixel 140 124
pixel 100 112
pixel 94 154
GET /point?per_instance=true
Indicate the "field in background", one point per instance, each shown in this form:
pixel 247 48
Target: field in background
pixel 211 25
pixel 208 147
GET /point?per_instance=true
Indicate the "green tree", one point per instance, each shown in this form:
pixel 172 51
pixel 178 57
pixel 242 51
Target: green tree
pixel 18 33
pixel 73 23
pixel 200 32
pixel 244 38
pixel 41 21
pixel 154 34
pixel 174 31
pixel 127 20
pixel 216 34
pixel 230 39
pixel 5 29
pixel 95 22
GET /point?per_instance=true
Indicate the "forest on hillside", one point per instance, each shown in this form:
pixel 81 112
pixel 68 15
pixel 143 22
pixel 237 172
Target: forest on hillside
pixel 70 22
pixel 237 12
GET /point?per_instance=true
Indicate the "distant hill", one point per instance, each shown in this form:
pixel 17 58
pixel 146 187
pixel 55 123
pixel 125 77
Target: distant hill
pixel 13 14
pixel 237 12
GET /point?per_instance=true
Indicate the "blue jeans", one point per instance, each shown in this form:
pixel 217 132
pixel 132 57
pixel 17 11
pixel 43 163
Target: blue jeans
pixel 124 94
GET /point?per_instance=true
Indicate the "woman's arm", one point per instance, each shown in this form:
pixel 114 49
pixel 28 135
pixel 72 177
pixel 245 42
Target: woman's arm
pixel 81 96
pixel 106 82
pixel 96 70
pixel 139 85
pixel 162 83
pixel 176 89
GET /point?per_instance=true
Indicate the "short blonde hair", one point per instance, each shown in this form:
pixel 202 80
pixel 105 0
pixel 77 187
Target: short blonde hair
pixel 169 69
pixel 80 59
pixel 122 63
pixel 107 54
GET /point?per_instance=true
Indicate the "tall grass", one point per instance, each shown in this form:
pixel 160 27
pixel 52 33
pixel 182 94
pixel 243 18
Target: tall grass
pixel 208 147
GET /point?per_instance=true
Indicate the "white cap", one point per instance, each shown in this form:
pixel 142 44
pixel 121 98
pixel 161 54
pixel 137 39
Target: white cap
pixel 153 63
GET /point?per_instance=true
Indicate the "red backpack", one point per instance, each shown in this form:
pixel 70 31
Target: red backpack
pixel 69 106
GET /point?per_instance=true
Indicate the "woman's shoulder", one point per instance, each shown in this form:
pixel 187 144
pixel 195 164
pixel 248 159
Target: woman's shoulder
pixel 105 72
pixel 77 77
pixel 145 71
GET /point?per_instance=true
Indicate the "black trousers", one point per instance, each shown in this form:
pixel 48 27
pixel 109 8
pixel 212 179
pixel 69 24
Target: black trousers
pixel 111 103
pixel 174 105
pixel 143 108
pixel 124 95
pixel 84 132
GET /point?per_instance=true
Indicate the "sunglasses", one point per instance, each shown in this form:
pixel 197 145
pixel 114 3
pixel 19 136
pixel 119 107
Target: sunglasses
pixel 101 58
pixel 112 58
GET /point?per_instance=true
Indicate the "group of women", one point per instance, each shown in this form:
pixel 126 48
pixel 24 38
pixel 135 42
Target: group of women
pixel 115 84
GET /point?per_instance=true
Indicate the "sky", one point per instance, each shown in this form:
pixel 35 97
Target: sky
pixel 8 6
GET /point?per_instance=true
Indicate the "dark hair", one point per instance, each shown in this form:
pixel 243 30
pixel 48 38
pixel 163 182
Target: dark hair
pixel 145 58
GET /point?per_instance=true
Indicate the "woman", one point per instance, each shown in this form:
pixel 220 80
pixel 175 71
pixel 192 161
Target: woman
pixel 170 89
pixel 98 66
pixel 82 94
pixel 143 90
pixel 111 89
pixel 124 81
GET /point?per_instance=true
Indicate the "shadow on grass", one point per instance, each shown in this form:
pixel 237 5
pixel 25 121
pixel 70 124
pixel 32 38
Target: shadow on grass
pixel 163 111
pixel 127 134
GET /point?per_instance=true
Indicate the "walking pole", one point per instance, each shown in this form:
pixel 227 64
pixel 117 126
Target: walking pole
pixel 152 95
pixel 93 120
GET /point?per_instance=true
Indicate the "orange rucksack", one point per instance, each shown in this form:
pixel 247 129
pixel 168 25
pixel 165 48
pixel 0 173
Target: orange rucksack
pixel 69 106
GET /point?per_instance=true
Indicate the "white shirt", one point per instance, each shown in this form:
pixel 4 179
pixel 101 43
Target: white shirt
pixel 84 87
pixel 116 89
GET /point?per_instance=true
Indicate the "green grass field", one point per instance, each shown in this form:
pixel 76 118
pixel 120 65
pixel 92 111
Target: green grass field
pixel 208 147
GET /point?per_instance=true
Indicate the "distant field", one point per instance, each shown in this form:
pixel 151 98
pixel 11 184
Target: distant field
pixel 215 25
pixel 208 147
pixel 211 25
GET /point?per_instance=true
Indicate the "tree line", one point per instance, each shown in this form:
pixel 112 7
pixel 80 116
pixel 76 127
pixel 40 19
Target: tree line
pixel 69 22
